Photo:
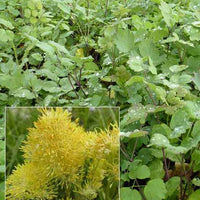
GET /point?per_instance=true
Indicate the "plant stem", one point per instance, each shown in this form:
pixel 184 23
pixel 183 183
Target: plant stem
pixel 181 179
pixel 72 85
pixel 154 102
pixel 124 151
pixel 141 191
pixel 107 1
pixel 15 53
pixel 165 164
pixel 135 146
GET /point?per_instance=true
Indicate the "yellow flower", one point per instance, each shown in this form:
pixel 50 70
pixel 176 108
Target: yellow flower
pixel 61 154
pixel 56 143
pixel 26 182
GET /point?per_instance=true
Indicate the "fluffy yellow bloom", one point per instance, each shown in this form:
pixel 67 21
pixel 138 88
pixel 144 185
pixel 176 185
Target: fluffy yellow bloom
pixel 27 182
pixel 56 143
pixel 60 155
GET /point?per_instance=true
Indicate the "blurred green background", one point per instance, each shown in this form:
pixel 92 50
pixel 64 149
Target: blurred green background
pixel 19 119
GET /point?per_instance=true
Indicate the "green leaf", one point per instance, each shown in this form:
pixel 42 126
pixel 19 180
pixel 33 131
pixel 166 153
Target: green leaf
pixel 37 56
pixel 50 86
pixel 172 185
pixel 127 193
pixel 64 7
pixel 124 40
pixel 139 172
pixel 159 140
pixel 180 121
pixel 2 168
pixel 167 13
pixel 152 68
pixel 196 80
pixel 195 195
pixel 136 133
pixel 59 47
pixel 176 150
pixel 162 128
pixel 134 79
pixel 196 160
pixel 178 68
pixel 196 130
pixel 196 181
pixel 136 63
pixel 148 49
pixel 45 47
pixel 23 93
pixel 6 23
pixel 48 74
pixel 156 169
pixel 155 190
pixel 194 34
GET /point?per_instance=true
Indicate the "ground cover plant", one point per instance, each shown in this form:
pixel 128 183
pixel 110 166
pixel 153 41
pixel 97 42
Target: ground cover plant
pixel 59 158
pixel 141 55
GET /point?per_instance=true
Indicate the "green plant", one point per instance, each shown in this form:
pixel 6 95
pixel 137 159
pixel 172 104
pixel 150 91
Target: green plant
pixel 140 55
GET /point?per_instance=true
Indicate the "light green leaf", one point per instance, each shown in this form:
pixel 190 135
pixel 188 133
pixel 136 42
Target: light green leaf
pixel 156 169
pixel 37 56
pixel 196 181
pixel 139 172
pixel 136 63
pixel 159 140
pixel 195 195
pixel 135 134
pixel 179 119
pixel 196 80
pixel 45 47
pixel 127 193
pixel 59 47
pixel 6 23
pixel 172 185
pixel 178 68
pixel 23 93
pixel 124 40
pixel 152 68
pixel 167 13
pixel 196 129
pixel 155 190
pixel 134 79
pixel 64 7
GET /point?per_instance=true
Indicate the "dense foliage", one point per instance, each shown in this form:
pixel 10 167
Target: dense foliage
pixel 141 55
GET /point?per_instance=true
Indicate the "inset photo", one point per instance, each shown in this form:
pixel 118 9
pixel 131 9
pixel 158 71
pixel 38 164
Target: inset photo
pixel 62 153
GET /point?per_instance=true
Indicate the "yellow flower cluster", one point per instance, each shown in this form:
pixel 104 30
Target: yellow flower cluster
pixel 62 158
